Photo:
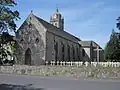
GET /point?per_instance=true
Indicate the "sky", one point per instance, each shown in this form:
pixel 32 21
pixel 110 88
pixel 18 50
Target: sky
pixel 86 19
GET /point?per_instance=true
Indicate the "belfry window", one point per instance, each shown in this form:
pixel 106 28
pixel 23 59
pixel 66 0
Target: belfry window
pixel 55 24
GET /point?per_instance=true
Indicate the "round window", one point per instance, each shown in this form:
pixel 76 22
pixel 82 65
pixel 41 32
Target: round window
pixel 37 40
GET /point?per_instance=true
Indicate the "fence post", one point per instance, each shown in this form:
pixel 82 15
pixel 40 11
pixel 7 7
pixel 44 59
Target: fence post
pixel 60 63
pixel 86 64
pixel 71 63
pixel 46 62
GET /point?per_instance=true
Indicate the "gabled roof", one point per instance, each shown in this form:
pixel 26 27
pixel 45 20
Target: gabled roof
pixel 89 43
pixel 53 29
pixel 85 43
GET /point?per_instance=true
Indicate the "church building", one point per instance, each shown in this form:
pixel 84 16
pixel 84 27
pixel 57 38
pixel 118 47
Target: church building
pixel 38 41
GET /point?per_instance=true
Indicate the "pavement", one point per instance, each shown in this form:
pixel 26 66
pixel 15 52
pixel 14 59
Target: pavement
pixel 55 83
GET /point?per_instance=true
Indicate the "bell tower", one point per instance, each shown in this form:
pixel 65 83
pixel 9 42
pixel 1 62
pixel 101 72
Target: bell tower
pixel 57 20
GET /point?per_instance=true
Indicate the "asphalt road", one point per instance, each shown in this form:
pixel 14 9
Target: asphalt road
pixel 59 83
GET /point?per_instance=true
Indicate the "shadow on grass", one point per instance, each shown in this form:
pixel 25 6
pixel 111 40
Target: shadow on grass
pixel 17 87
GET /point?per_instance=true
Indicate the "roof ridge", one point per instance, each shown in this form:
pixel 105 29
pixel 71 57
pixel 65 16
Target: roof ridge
pixel 51 27
pixel 45 21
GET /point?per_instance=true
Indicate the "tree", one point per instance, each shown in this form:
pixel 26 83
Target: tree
pixel 118 23
pixel 7 16
pixel 7 23
pixel 6 48
pixel 112 49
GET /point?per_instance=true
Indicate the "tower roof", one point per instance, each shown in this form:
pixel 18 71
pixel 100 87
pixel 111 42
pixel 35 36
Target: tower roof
pixel 57 10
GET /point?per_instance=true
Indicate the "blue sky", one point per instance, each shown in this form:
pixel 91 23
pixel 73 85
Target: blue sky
pixel 87 19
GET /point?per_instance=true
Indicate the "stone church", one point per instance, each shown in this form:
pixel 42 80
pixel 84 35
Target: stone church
pixel 39 41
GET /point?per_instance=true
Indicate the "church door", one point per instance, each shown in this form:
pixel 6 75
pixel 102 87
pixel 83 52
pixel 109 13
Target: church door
pixel 28 57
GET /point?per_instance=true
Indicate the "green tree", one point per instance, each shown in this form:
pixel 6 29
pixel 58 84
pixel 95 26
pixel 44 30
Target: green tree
pixel 6 47
pixel 7 24
pixel 112 49
pixel 7 16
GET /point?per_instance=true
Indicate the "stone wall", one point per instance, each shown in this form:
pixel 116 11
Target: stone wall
pixel 31 36
pixel 81 72
pixel 51 39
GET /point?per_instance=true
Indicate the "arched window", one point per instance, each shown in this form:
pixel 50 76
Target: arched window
pixel 73 50
pixel 63 50
pixel 77 50
pixel 56 50
pixel 68 53
pixel 83 52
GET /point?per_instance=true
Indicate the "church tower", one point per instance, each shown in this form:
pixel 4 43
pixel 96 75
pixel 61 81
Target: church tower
pixel 57 20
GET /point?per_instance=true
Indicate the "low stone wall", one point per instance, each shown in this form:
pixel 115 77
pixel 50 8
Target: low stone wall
pixel 81 72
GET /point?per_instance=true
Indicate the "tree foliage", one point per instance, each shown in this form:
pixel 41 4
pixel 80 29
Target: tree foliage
pixel 7 16
pixel 6 48
pixel 7 24
pixel 112 49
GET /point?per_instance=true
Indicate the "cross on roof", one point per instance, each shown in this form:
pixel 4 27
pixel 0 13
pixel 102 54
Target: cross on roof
pixel 98 53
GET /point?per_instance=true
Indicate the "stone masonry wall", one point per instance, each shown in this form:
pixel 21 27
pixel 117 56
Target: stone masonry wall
pixel 51 39
pixel 81 72
pixel 31 35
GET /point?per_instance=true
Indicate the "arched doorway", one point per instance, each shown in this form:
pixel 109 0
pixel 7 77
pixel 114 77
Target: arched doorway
pixel 28 57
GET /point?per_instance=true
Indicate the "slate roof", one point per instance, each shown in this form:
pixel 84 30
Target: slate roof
pixel 85 43
pixel 89 43
pixel 57 31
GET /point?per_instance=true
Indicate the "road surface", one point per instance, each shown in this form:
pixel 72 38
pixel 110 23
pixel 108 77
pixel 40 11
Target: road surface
pixel 59 83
